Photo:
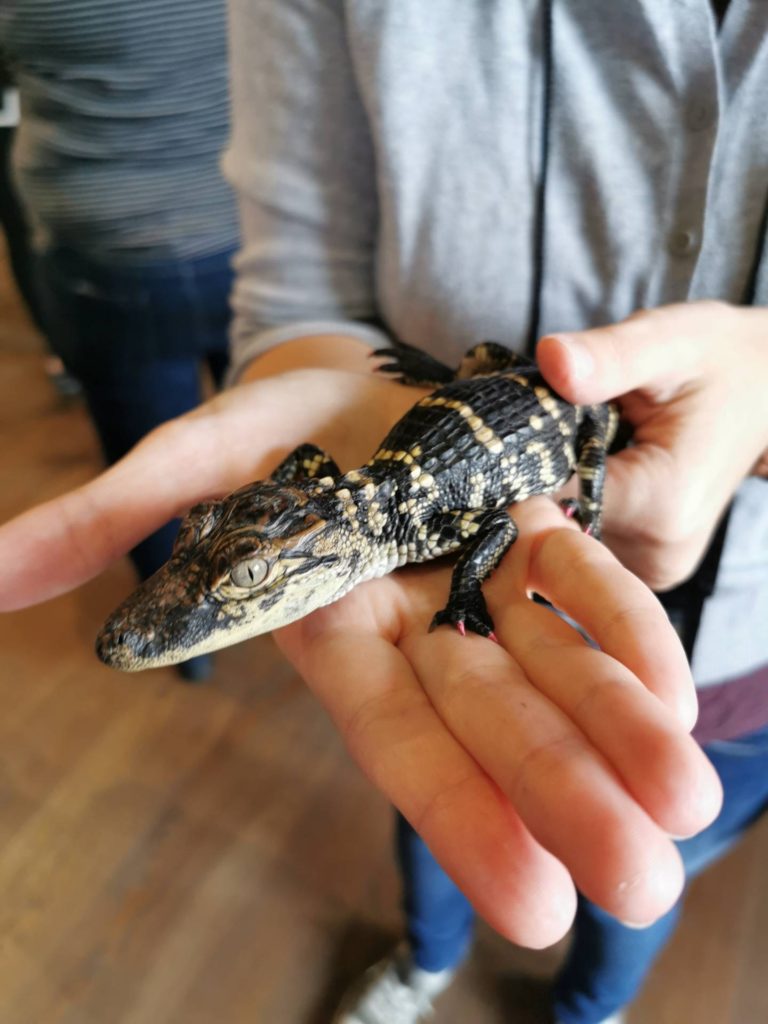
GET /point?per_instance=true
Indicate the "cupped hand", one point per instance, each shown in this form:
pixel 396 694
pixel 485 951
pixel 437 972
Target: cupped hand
pixel 690 379
pixel 531 764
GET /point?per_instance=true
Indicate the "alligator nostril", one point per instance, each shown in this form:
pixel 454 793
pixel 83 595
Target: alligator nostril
pixel 134 640
pixel 113 645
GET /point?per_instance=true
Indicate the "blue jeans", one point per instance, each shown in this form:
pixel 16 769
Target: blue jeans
pixel 136 339
pixel 16 230
pixel 607 962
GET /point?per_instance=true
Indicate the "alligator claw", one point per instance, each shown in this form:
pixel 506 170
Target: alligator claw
pixel 586 520
pixel 466 620
pixel 570 508
pixel 393 368
pixel 413 367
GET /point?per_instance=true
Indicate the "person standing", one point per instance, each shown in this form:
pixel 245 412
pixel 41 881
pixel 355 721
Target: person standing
pixel 124 113
pixel 573 180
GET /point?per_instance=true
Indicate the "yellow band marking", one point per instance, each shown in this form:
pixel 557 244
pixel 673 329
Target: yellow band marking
pixel 482 432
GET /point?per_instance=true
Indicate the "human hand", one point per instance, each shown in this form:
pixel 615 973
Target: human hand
pixel 690 379
pixel 525 765
pixel 535 763
pixel 237 437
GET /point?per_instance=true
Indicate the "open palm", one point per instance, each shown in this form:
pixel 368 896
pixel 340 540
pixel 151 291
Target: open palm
pixel 534 763
pixel 527 765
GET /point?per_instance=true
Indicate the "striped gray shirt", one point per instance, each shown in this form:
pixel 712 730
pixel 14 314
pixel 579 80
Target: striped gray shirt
pixel 125 112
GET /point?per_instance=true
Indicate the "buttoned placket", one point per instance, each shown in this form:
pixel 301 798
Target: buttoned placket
pixel 690 180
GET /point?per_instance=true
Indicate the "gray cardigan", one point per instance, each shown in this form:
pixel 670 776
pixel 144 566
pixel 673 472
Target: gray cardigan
pixel 388 158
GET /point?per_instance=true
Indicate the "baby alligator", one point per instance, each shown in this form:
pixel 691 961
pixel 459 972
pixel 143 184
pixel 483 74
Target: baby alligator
pixel 492 433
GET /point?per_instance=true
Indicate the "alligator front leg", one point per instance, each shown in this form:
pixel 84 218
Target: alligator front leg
pixel 491 534
pixel 307 462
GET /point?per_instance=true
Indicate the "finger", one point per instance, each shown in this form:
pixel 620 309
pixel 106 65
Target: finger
pixel 66 541
pixel 584 579
pixel 394 733
pixel 600 364
pixel 563 789
pixel 619 698
pixel 238 436
pixel 659 763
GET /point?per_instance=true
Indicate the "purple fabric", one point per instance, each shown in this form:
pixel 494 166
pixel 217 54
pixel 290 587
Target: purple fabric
pixel 734 708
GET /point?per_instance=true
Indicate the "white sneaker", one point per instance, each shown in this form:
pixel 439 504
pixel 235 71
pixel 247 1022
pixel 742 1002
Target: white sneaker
pixel 393 991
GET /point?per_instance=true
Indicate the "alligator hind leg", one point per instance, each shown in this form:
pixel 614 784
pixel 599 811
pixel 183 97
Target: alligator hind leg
pixel 307 462
pixel 493 534
pixel 594 438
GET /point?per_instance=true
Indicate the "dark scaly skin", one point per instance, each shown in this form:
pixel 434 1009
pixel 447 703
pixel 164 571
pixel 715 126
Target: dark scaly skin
pixel 493 433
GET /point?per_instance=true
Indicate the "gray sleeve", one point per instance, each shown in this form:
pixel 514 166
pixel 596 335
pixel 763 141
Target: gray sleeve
pixel 301 161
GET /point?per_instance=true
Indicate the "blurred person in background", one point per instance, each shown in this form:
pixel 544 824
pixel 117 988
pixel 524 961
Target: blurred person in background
pixel 16 229
pixel 12 219
pixel 124 113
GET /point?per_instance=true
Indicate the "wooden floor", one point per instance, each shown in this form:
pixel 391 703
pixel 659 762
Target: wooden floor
pixel 209 855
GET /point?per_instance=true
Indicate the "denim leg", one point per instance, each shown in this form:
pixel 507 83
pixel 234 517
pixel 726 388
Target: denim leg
pixel 126 408
pixel 439 917
pixel 136 338
pixel 608 962
pixel 16 229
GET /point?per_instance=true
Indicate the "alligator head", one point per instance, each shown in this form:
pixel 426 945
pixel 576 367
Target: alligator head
pixel 259 559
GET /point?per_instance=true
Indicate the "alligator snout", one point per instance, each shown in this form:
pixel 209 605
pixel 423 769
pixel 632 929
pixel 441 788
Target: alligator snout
pixel 122 647
pixel 162 623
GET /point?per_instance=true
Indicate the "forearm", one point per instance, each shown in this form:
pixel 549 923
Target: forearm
pixel 327 394
pixel 306 279
pixel 320 351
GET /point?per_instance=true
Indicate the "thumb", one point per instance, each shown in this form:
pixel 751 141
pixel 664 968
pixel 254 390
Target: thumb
pixel 656 349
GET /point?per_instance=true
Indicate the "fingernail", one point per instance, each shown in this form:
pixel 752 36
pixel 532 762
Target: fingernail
pixel 579 358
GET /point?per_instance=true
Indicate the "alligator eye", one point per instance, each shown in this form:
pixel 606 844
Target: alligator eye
pixel 249 573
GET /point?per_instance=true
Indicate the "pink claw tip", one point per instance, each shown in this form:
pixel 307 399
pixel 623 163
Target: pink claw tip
pixel 492 636
pixel 461 628
pixel 588 530
pixel 569 511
